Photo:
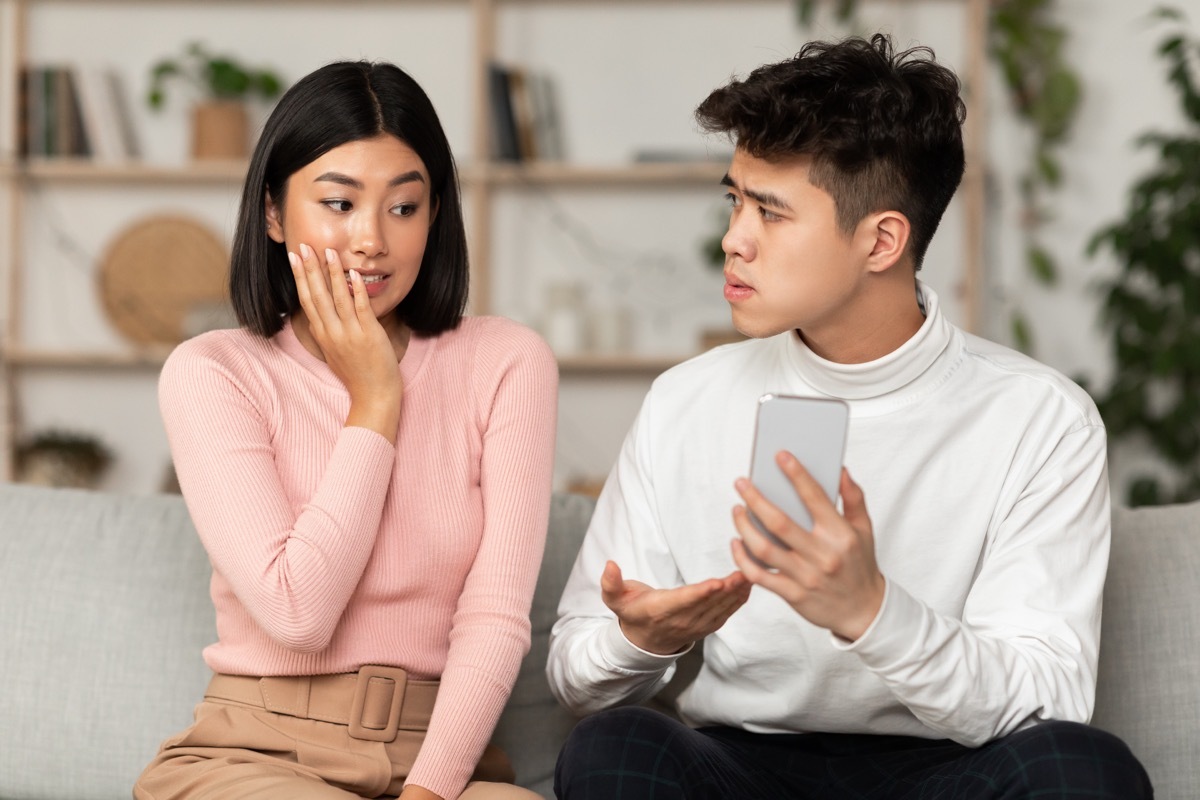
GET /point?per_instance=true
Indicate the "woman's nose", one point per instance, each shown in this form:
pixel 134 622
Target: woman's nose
pixel 368 236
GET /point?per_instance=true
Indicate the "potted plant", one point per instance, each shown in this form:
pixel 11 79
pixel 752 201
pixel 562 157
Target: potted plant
pixel 63 459
pixel 1151 306
pixel 220 128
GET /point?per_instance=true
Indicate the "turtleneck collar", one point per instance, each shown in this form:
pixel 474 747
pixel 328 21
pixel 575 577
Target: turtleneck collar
pixel 906 368
pixel 410 365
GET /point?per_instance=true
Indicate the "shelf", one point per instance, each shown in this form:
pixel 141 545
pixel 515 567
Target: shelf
pixel 617 364
pixel 682 173
pixel 78 359
pixel 152 358
pixel 80 170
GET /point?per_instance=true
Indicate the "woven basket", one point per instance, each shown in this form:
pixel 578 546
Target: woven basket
pixel 158 271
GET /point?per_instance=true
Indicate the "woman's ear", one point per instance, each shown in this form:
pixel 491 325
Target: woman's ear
pixel 890 231
pixel 274 218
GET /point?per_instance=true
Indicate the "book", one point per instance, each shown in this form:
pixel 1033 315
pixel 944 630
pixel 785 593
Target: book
pixel 29 135
pixel 524 121
pixel 519 82
pixel 505 146
pixel 72 140
pixel 124 114
pixel 51 122
pixel 546 131
pixel 101 117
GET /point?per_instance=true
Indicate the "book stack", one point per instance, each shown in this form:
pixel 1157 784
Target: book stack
pixel 71 113
pixel 524 119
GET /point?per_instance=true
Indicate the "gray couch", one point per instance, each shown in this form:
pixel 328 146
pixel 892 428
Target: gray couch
pixel 104 609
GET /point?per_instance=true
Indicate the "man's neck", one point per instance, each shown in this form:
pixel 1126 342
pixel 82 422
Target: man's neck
pixel 879 324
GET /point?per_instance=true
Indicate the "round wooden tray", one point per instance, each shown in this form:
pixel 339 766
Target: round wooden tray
pixel 158 271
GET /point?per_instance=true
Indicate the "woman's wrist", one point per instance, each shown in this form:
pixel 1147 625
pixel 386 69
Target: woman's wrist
pixel 381 417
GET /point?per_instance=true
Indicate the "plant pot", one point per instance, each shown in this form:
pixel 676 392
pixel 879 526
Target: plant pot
pixel 220 130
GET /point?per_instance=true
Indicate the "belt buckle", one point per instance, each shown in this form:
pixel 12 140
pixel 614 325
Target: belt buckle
pixel 368 698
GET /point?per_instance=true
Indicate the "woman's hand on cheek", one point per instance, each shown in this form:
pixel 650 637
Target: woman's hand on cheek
pixel 355 346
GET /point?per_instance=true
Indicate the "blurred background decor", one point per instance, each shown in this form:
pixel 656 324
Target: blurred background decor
pixel 1151 307
pixel 220 125
pixel 63 459
pixel 163 279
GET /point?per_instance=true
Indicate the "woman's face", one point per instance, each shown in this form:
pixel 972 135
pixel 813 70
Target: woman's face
pixel 369 200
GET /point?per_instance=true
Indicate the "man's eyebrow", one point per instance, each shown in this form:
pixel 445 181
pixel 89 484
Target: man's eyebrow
pixel 762 198
pixel 346 180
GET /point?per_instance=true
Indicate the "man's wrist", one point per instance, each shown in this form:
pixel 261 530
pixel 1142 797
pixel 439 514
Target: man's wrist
pixel 634 658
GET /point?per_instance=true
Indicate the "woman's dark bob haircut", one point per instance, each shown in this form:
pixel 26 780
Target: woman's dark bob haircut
pixel 344 102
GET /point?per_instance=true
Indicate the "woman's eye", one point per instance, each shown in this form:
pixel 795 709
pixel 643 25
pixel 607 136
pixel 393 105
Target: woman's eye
pixel 337 205
pixel 405 209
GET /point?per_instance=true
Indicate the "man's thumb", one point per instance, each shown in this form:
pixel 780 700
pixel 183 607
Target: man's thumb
pixel 611 583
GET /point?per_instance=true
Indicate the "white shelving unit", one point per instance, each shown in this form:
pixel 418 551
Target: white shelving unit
pixel 485 182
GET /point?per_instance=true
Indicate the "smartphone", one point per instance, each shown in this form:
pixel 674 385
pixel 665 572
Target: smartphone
pixel 813 429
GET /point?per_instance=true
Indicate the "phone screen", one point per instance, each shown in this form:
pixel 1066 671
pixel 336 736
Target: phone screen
pixel 813 429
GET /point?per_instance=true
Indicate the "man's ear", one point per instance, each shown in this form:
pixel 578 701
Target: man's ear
pixel 274 218
pixel 888 233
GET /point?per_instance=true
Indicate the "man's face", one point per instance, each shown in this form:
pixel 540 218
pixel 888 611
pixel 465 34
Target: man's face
pixel 787 263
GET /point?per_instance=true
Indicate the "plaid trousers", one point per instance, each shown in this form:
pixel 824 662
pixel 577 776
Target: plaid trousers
pixel 640 754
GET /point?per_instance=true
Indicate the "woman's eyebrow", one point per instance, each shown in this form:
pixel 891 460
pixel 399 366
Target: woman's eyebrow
pixel 346 180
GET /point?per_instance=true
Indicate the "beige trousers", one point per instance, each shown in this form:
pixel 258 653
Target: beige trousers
pixel 236 750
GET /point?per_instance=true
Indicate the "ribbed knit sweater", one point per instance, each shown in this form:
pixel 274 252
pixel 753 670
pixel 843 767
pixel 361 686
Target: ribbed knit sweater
pixel 331 548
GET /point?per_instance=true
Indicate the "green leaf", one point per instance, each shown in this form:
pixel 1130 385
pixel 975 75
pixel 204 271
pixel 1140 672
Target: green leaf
pixel 1144 491
pixel 1048 168
pixel 1042 265
pixel 1021 334
pixel 804 12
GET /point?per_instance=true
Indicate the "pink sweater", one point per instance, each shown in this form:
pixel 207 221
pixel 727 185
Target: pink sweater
pixel 332 549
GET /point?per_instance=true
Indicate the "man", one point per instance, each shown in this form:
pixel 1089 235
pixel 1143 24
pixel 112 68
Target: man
pixel 942 644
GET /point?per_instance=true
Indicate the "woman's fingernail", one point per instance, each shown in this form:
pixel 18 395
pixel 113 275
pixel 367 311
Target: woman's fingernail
pixel 330 255
pixel 354 276
pixel 305 251
pixel 294 260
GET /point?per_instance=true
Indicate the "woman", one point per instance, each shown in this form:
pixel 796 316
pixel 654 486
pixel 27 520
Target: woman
pixel 368 470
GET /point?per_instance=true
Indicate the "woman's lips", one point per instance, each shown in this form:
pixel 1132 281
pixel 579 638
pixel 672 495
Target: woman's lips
pixel 374 284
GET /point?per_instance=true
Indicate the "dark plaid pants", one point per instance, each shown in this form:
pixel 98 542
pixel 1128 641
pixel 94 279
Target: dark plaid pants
pixel 639 754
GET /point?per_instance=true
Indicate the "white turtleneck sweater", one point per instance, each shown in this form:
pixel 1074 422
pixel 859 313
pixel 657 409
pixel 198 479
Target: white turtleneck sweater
pixel 985 479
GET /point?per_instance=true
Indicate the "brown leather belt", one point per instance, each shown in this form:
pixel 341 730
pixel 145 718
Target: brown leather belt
pixel 374 703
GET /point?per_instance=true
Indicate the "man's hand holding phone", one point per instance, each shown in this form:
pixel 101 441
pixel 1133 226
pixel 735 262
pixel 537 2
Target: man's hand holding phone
pixel 827 573
pixel 665 621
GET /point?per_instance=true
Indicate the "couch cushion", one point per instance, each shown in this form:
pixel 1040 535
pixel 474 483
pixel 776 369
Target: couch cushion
pixel 105 611
pixel 1149 689
pixel 534 726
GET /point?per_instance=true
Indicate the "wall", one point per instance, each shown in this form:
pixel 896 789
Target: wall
pixel 629 75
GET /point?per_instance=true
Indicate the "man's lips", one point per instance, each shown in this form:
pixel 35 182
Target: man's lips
pixel 736 289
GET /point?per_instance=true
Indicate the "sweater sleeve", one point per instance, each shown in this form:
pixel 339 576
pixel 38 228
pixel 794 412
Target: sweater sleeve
pixel 1027 646
pixel 516 387
pixel 292 568
pixel 592 666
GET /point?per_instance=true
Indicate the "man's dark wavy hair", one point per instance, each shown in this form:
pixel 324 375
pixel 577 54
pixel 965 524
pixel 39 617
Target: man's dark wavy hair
pixel 883 129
